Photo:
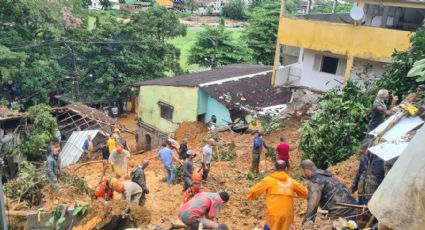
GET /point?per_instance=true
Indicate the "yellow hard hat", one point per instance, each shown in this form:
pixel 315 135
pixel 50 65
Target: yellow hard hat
pixel 116 130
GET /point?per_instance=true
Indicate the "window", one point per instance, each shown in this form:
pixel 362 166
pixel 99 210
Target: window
pixel 166 111
pixel 329 65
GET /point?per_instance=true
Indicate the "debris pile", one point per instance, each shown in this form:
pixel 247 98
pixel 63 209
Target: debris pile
pixel 304 102
pixel 195 132
pixel 116 214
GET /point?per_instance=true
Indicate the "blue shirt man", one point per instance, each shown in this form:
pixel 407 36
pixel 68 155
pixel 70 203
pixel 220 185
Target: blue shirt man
pixel 166 155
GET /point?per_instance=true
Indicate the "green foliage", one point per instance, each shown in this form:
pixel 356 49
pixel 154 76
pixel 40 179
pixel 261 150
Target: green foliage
pixel 27 186
pixel 270 124
pixel 418 70
pixel 80 209
pixel 261 34
pixel 56 221
pixel 215 46
pixel 395 78
pixel 334 132
pixel 42 43
pixel 271 152
pixel 235 9
pixel 225 152
pixel 42 127
pixel 80 185
pixel 192 5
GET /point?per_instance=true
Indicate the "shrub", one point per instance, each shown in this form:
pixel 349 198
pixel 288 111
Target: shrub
pixel 334 132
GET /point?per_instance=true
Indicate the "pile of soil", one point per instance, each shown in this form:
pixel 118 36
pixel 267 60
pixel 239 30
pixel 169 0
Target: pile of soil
pixel 66 195
pixel 346 171
pixel 110 215
pixel 195 132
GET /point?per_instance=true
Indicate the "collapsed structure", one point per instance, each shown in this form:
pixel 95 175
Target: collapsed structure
pixel 220 96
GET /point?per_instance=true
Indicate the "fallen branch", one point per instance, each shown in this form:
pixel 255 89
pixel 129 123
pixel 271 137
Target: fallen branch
pixel 86 163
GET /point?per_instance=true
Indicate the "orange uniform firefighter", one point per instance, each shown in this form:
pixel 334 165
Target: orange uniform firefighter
pixel 196 187
pixel 103 191
pixel 280 192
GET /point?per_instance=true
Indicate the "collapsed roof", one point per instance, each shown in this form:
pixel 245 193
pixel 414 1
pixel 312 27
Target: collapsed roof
pixel 78 117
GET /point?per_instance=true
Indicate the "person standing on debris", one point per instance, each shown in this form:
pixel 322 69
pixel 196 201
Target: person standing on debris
pixel 196 187
pixel 204 208
pixel 111 144
pixel 116 134
pixel 138 176
pixel 326 191
pixel 131 192
pixel 118 160
pixel 257 148
pixel 207 152
pixel 282 151
pixel 166 155
pixel 280 192
pixel 54 145
pixel 369 175
pixel 103 191
pixel 53 168
pixel 88 146
pixel 188 170
pixel 183 149
pixel 379 108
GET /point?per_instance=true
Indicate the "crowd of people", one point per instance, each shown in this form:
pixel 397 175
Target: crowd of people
pixel 201 206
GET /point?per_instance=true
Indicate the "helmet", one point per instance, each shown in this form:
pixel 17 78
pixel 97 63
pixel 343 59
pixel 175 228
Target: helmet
pixel 119 149
pixel 196 177
pixel 119 188
pixel 116 130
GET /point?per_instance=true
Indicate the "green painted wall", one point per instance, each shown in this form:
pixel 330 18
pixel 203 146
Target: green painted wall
pixel 202 102
pixel 184 100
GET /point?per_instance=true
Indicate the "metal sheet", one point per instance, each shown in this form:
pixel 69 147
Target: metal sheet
pixel 398 130
pixel 73 148
pixel 389 150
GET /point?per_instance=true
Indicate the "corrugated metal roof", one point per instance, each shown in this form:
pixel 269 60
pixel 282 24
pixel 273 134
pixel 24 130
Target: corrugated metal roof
pixel 73 148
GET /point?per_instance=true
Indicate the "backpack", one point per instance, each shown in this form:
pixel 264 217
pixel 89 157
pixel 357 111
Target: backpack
pixel 257 143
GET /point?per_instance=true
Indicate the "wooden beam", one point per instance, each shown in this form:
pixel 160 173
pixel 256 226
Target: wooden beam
pixel 68 118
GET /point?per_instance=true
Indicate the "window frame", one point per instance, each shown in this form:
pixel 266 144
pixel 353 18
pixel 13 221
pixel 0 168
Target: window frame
pixel 162 110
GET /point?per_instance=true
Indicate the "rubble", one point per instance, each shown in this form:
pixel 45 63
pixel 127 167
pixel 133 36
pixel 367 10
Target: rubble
pixel 303 102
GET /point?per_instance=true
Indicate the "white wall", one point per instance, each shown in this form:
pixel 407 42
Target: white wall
pixel 366 71
pixel 316 79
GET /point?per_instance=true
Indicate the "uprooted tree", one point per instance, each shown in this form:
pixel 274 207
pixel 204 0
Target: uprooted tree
pixel 334 132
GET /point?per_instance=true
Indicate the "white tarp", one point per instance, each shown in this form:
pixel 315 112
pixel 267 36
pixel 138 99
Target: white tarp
pixel 73 148
pixel 389 150
pixel 398 130
pixel 399 202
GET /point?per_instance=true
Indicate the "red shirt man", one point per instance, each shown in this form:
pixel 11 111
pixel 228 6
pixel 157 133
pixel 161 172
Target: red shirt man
pixel 282 151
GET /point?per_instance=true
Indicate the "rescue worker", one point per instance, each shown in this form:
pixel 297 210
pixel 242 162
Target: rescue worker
pixel 103 190
pixel 326 191
pixel 111 144
pixel 379 108
pixel 196 187
pixel 53 168
pixel 166 155
pixel 207 156
pixel 204 208
pixel 118 160
pixel 183 149
pixel 280 192
pixel 257 148
pixel 131 192
pixel 369 175
pixel 138 176
pixel 88 146
pixel 188 169
pixel 116 134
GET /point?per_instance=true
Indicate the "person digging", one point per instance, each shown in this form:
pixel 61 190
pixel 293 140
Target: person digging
pixel 103 190
pixel 204 209
pixel 138 176
pixel 131 192
pixel 118 160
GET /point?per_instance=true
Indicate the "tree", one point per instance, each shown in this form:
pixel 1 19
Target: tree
pixel 192 5
pixel 333 133
pixel 215 47
pixel 234 9
pixel 395 77
pixel 106 4
pixel 261 33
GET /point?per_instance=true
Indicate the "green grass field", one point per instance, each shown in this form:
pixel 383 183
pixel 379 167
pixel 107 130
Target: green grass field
pixel 185 43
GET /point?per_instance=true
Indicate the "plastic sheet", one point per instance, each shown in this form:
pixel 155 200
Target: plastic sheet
pixel 399 202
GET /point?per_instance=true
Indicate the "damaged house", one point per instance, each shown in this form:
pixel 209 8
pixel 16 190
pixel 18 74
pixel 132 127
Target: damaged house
pixel 226 93
pixel 333 48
